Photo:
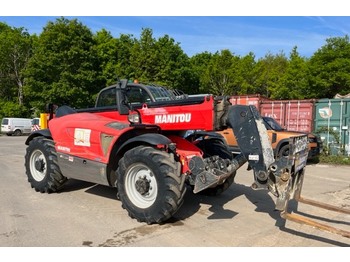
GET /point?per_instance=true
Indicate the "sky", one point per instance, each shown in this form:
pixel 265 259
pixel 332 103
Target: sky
pixel 196 25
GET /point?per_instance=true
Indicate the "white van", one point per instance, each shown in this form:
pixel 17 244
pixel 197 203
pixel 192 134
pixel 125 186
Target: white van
pixel 16 126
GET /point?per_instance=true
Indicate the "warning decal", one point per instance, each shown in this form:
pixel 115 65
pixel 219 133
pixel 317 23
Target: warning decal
pixel 82 137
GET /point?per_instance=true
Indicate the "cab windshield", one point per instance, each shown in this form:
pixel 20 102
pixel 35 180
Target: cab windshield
pixel 272 124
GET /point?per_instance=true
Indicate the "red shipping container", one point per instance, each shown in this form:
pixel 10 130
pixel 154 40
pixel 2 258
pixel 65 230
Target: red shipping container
pixel 254 100
pixel 274 109
pixel 293 115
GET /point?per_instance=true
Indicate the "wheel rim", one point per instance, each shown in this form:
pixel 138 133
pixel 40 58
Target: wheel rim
pixel 141 185
pixel 38 165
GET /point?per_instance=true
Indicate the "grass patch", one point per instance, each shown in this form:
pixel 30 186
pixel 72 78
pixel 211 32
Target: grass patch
pixel 334 159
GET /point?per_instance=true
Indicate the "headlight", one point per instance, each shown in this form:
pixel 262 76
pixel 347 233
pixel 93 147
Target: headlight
pixel 134 118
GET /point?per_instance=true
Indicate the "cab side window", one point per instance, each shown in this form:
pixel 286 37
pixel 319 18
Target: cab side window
pixel 107 98
pixel 138 96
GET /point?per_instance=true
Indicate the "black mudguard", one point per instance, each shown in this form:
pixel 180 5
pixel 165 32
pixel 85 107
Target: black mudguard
pixel 151 139
pixel 42 132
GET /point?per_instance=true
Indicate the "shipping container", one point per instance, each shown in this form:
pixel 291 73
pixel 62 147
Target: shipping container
pixel 332 122
pixel 254 99
pixel 274 109
pixel 293 115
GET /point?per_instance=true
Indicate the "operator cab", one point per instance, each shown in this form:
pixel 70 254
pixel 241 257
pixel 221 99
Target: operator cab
pixel 135 95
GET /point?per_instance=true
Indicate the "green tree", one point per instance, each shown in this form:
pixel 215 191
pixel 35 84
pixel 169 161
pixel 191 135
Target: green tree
pixel 295 81
pixel 245 76
pixel 270 71
pixel 64 68
pixel 125 45
pixel 13 109
pixel 218 78
pixel 199 64
pixel 114 56
pixel 143 57
pixel 330 68
pixel 172 62
pixel 106 50
pixel 185 80
pixel 15 51
pixel 160 61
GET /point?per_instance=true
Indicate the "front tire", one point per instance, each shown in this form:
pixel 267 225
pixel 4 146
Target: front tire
pixel 150 185
pixel 283 152
pixel 41 165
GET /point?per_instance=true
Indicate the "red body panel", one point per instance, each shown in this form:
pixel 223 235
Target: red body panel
pixel 186 151
pixel 186 117
pixel 80 135
pixel 113 115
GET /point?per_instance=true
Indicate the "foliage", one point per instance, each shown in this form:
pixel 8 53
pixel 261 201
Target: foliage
pixel 246 76
pixel 218 77
pixel 13 109
pixel 294 83
pixel 15 51
pixel 330 68
pixel 270 70
pixel 106 50
pixel 64 67
pixel 325 129
pixel 124 47
pixel 334 160
pixel 160 61
pixel 198 66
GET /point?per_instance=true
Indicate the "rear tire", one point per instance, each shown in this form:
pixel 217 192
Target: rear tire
pixel 150 185
pixel 41 165
pixel 212 147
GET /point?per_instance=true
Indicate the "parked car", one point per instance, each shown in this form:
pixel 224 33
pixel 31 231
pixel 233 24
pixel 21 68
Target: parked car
pixel 16 126
pixel 279 138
